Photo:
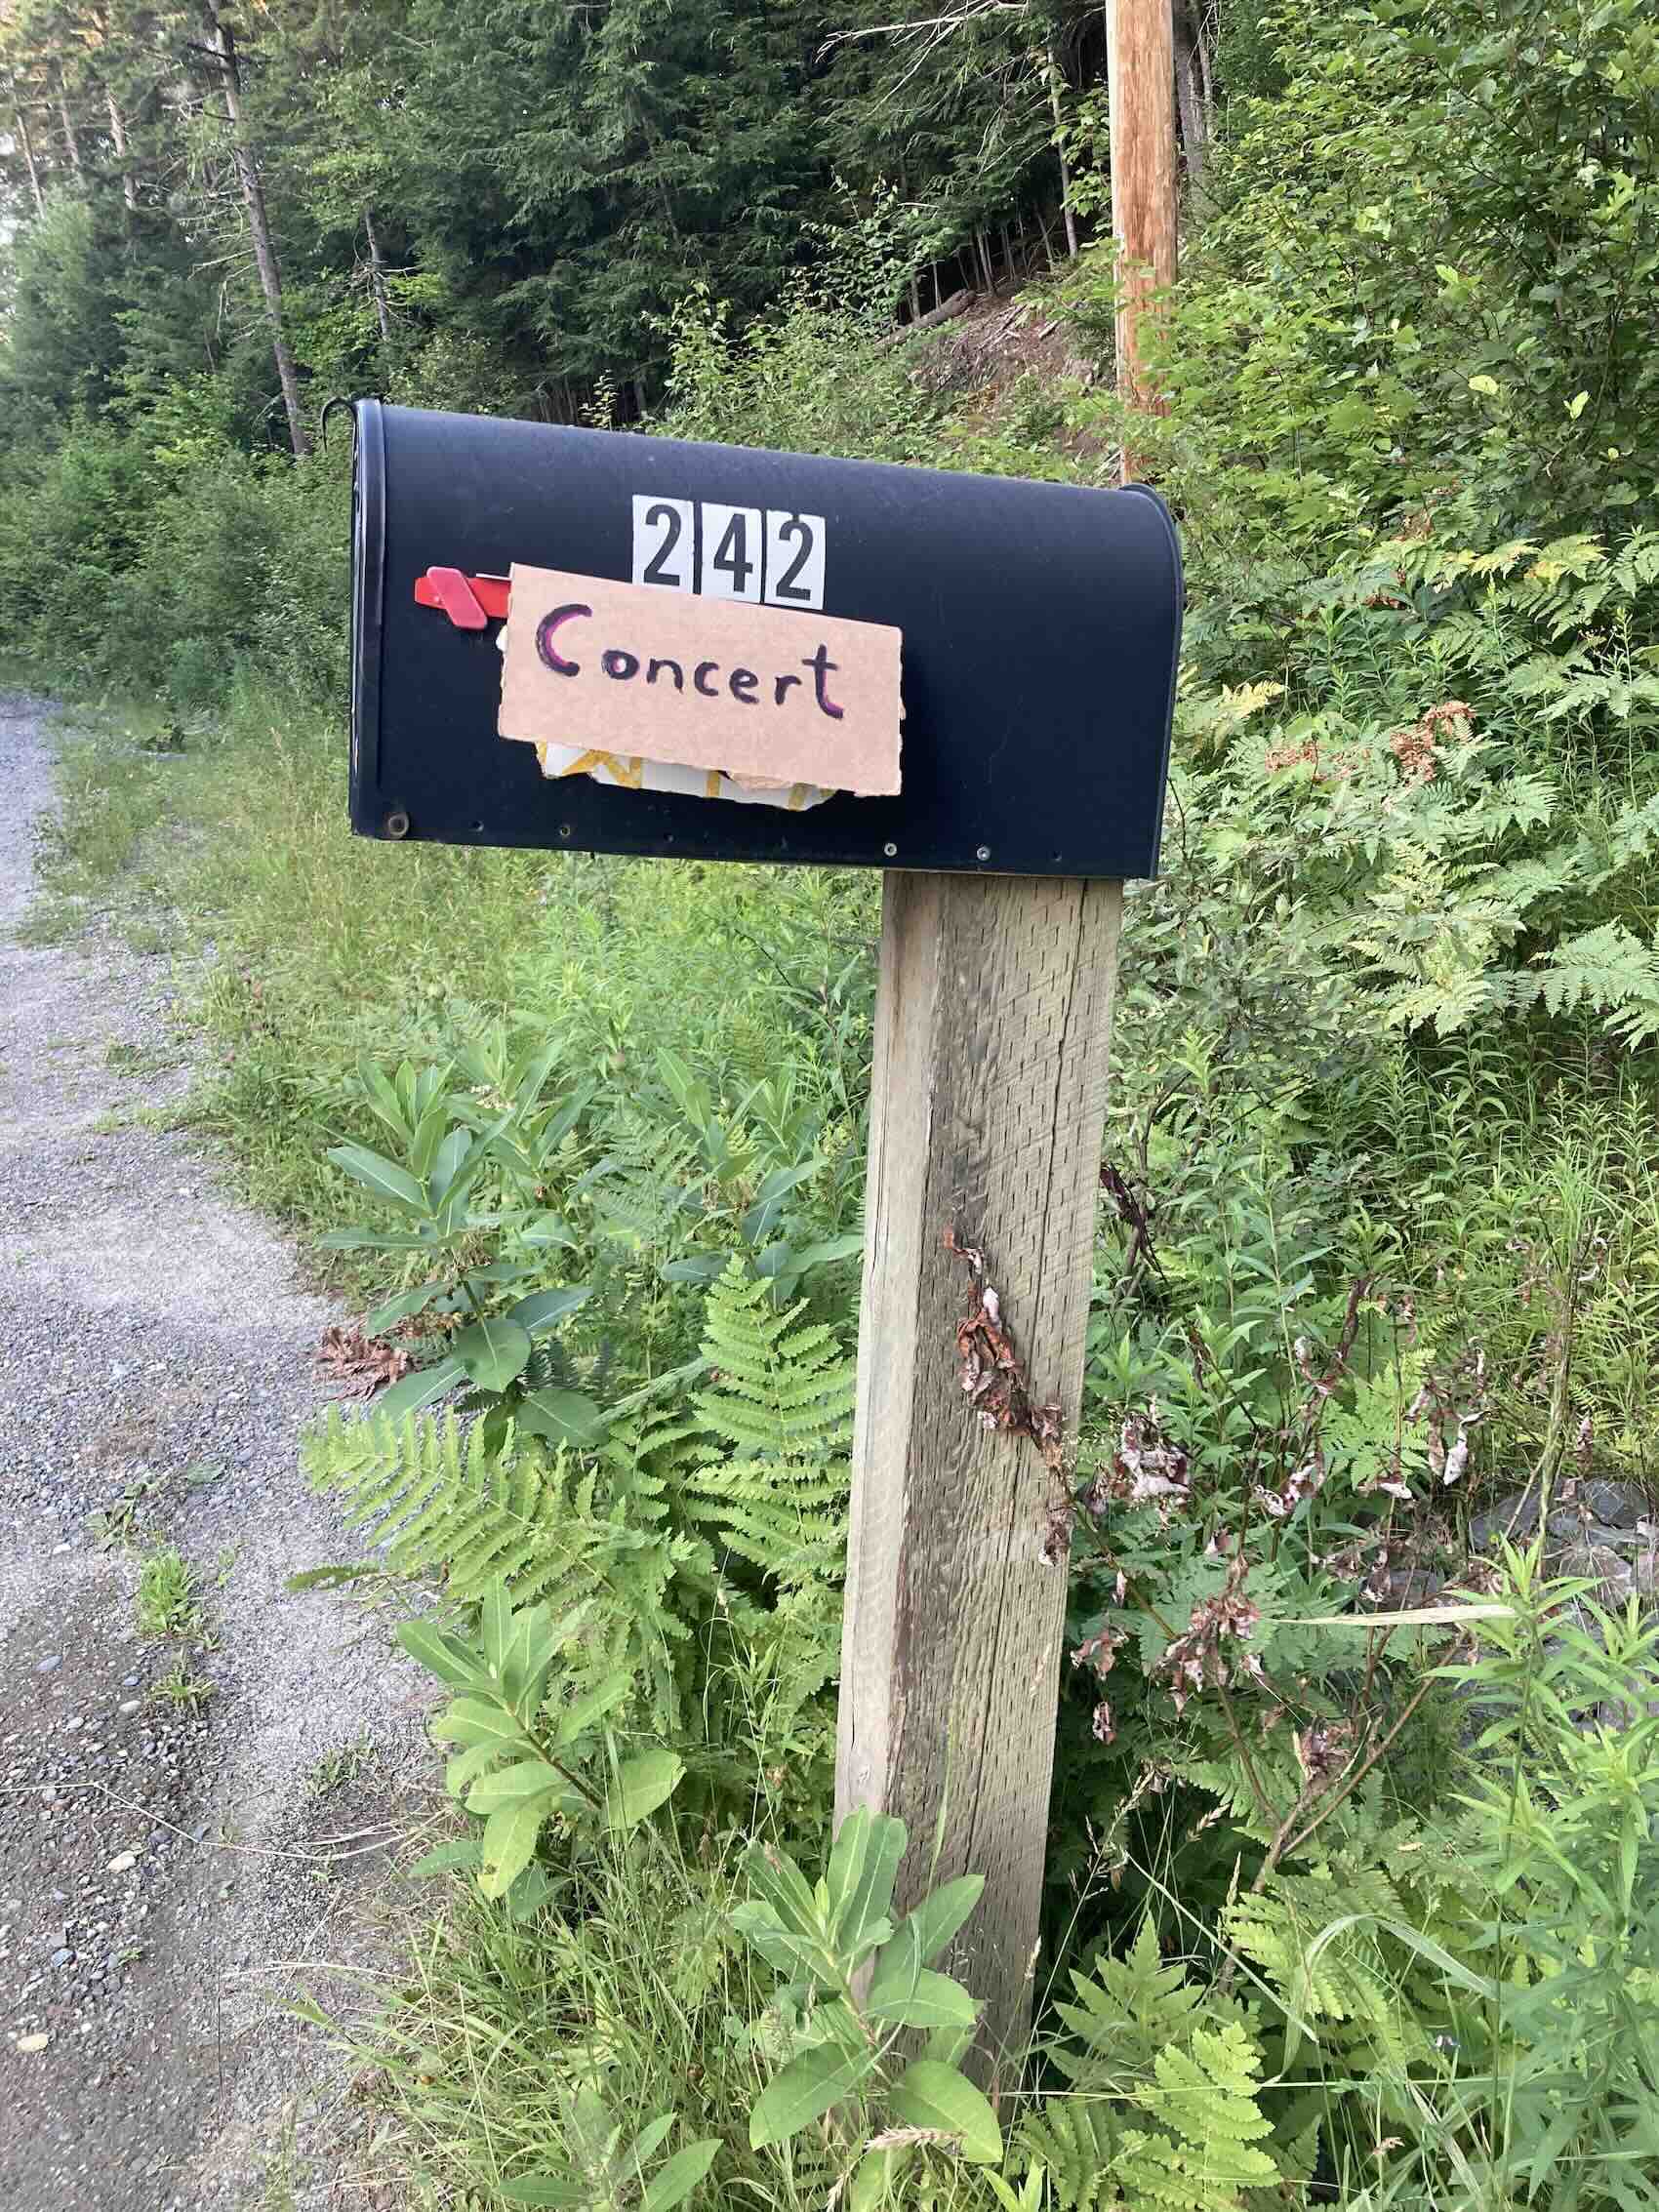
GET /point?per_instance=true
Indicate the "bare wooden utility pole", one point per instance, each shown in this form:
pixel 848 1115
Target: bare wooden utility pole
pixel 222 48
pixel 1144 193
pixel 989 1092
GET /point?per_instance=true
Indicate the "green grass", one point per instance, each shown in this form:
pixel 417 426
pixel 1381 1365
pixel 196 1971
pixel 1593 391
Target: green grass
pixel 332 1770
pixel 178 1686
pixel 638 1982
pixel 167 1603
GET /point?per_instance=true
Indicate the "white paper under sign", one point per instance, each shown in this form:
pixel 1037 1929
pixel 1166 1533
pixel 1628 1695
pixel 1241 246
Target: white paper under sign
pixel 664 690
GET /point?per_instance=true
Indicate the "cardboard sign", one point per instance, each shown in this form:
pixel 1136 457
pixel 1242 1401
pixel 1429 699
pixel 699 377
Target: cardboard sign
pixel 753 692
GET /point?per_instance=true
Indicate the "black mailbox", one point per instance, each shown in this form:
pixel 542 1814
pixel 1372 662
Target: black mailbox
pixel 1040 629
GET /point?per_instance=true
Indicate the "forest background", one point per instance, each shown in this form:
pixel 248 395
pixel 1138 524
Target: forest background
pixel 1354 1894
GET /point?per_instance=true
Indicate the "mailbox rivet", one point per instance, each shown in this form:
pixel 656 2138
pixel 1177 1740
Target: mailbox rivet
pixel 890 850
pixel 983 852
pixel 564 828
pixel 396 823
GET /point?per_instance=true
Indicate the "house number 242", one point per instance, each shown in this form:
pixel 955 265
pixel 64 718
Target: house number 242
pixel 757 553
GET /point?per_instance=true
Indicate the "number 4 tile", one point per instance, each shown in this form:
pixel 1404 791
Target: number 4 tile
pixel 733 545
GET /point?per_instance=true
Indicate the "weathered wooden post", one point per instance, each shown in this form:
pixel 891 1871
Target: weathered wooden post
pixel 708 652
pixel 988 1093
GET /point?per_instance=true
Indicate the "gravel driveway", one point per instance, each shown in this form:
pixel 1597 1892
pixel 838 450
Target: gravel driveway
pixel 174 1867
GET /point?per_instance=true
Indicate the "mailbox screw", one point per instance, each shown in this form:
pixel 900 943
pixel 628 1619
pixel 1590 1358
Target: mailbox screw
pixel 396 823
pixel 983 853
pixel 891 851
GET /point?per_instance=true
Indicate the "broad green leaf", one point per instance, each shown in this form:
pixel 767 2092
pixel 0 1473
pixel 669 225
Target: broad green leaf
pixel 446 1162
pixel 525 1646
pixel 383 1177
pixel 805 2090
pixel 949 2045
pixel 515 1785
pixel 475 1721
pixel 400 1307
pixel 923 1933
pixel 931 2095
pixel 530 1072
pixel 548 2188
pixel 862 1869
pixel 918 2000
pixel 547 1230
pixel 460 1851
pixel 530 1893
pixel 761 1218
pixel 648 2142
pixel 775 1260
pixel 421 1390
pixel 591 1709
pixel 443 1655
pixel 495 1631
pixel 429 1135
pixel 543 1307
pixel 673 2183
pixel 562 1417
pixel 493 1352
pixel 383 1098
pixel 640 1785
pixel 699 1267
pixel 380 1240
pixel 794 1955
pixel 510 1840
pixel 777 1880
pixel 461 1769
pixel 831 1249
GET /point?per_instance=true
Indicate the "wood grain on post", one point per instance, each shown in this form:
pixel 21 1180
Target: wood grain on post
pixel 988 1093
pixel 1144 193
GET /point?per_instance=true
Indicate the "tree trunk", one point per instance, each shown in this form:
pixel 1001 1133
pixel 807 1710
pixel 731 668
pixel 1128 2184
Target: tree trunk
pixel 1190 101
pixel 28 145
pixel 224 50
pixel 377 280
pixel 71 145
pixel 118 132
pixel 1060 150
pixel 1047 241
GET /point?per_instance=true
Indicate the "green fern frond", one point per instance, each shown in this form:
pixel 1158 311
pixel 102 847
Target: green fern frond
pixel 1075 2141
pixel 1612 969
pixel 1205 2097
pixel 781 1403
pixel 433 1501
pixel 784 1391
pixel 1127 2011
